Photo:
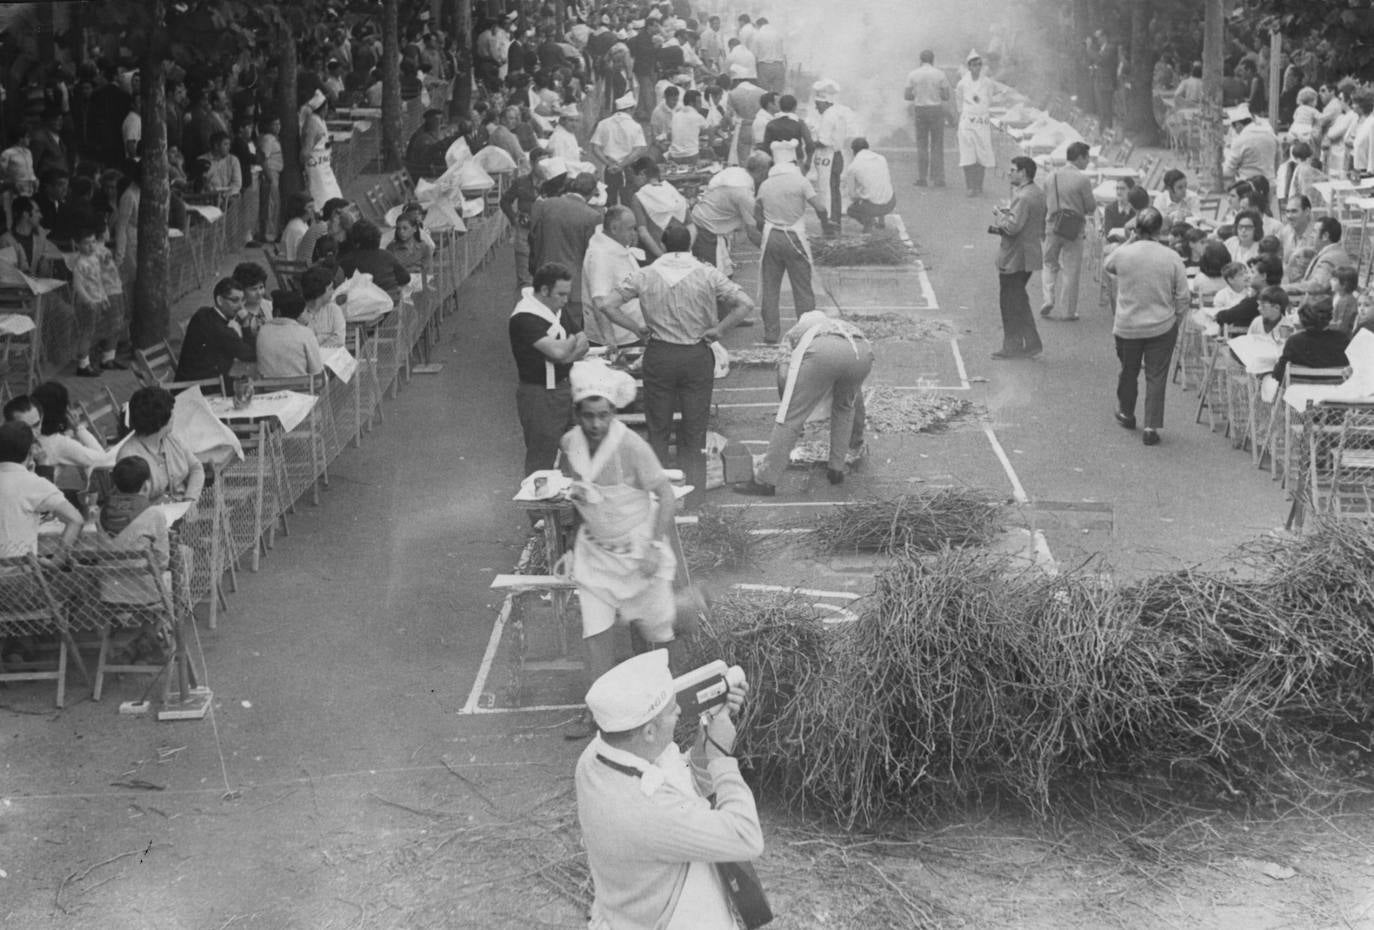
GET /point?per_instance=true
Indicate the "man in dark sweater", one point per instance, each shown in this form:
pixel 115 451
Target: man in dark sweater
pixel 212 346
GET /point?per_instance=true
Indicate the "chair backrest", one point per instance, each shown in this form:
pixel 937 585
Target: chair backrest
pixel 102 416
pixel 206 385
pixel 124 577
pixel 155 364
pixel 305 384
pixel 1302 374
pixel 288 273
pixel 27 605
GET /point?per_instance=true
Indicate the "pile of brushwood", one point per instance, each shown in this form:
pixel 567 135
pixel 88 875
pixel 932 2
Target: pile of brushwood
pixel 880 247
pixel 968 679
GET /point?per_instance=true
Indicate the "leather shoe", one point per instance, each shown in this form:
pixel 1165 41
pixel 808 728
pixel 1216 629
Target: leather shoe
pixel 114 365
pixel 1150 437
pixel 755 489
pixel 1126 421
pixel 1046 310
pixel 834 476
pixel 1004 354
pixel 86 371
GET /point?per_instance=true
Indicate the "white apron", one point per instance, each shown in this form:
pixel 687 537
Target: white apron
pixel 824 161
pixel 799 228
pixel 617 526
pixel 975 129
pixel 534 307
pixel 319 172
pixel 822 409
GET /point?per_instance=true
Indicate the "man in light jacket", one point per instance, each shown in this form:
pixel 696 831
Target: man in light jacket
pixel 1068 190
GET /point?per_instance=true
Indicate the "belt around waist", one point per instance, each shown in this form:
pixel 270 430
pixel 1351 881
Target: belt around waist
pixel 655 341
pixel 540 384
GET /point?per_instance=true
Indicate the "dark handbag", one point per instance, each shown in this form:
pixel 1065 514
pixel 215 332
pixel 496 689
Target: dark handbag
pixel 1066 223
pixel 745 892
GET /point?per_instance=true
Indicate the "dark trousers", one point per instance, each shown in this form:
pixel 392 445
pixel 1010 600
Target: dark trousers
pixel 867 212
pixel 930 145
pixel 1019 335
pixel 544 417
pixel 1153 354
pixel 836 169
pixel 679 378
pixel 973 178
pixel 704 246
pixel 782 252
pixel 616 191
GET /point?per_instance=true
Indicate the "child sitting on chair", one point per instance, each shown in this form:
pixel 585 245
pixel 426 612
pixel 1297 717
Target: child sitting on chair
pixel 135 524
pixel 1345 302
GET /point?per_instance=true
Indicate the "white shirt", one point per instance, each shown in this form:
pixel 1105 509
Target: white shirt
pixel 836 127
pixel 618 135
pixel 563 144
pixel 24 499
pixel 604 266
pixel 761 121
pixel 767 44
pixel 746 35
pixel 1364 145
pixel 866 178
pixel 740 55
pixel 685 133
pixel 132 128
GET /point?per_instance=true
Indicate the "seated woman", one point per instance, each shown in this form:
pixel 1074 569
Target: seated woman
pixel 174 471
pixel 366 254
pixel 67 448
pixel 287 348
pixel 409 246
pixel 1316 345
pixel 322 313
pixel 1210 279
pixel 1244 245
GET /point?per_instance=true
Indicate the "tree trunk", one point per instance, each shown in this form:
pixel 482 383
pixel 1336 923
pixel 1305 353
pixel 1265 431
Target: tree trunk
pixel 1140 110
pixel 1213 53
pixel 292 176
pixel 391 87
pixel 151 318
pixel 1082 16
pixel 460 101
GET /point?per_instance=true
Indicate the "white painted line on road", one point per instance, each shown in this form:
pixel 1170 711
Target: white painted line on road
pixel 773 404
pixel 494 642
pixel 1018 492
pixel 532 709
pixel 809 592
pixel 789 504
pixel 1042 549
pixel 959 361
pixel 927 292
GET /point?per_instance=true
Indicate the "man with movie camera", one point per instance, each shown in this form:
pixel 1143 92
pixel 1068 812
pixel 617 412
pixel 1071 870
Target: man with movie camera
pixel 650 832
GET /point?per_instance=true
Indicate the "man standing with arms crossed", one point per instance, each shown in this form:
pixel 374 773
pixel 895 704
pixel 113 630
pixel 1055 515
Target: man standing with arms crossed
pixel 1021 226
pixel 678 296
pixel 929 92
pixel 1069 190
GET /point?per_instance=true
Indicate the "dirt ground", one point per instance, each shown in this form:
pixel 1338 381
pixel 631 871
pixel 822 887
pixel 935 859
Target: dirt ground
pixel 339 784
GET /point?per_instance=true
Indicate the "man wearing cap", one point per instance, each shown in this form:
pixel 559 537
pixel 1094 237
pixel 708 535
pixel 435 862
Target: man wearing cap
pixel 769 55
pixel 611 258
pixel 1254 150
pixel 563 141
pixel 678 296
pixel 617 141
pixel 622 560
pixel 650 832
pixel 725 207
pixel 545 343
pixel 834 130
pixel 867 183
pixel 781 212
pixel 973 96
pixel 561 225
pixel 929 92
pixel 742 106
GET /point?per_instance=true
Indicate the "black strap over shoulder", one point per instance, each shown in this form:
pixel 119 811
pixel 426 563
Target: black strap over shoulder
pixel 620 767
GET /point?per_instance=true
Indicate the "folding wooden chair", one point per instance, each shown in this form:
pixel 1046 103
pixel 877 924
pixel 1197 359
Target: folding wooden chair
pixel 288 273
pixel 23 353
pixel 322 431
pixel 155 365
pixel 127 591
pixel 103 416
pixel 1283 431
pixel 29 608
pixel 260 481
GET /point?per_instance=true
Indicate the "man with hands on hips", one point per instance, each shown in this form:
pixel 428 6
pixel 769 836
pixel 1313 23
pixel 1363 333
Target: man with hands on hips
pixel 651 834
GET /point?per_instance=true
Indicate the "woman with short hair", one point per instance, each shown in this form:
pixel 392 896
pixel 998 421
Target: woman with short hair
pixel 176 474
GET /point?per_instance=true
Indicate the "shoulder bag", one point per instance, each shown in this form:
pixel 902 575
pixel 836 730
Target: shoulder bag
pixel 1066 223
